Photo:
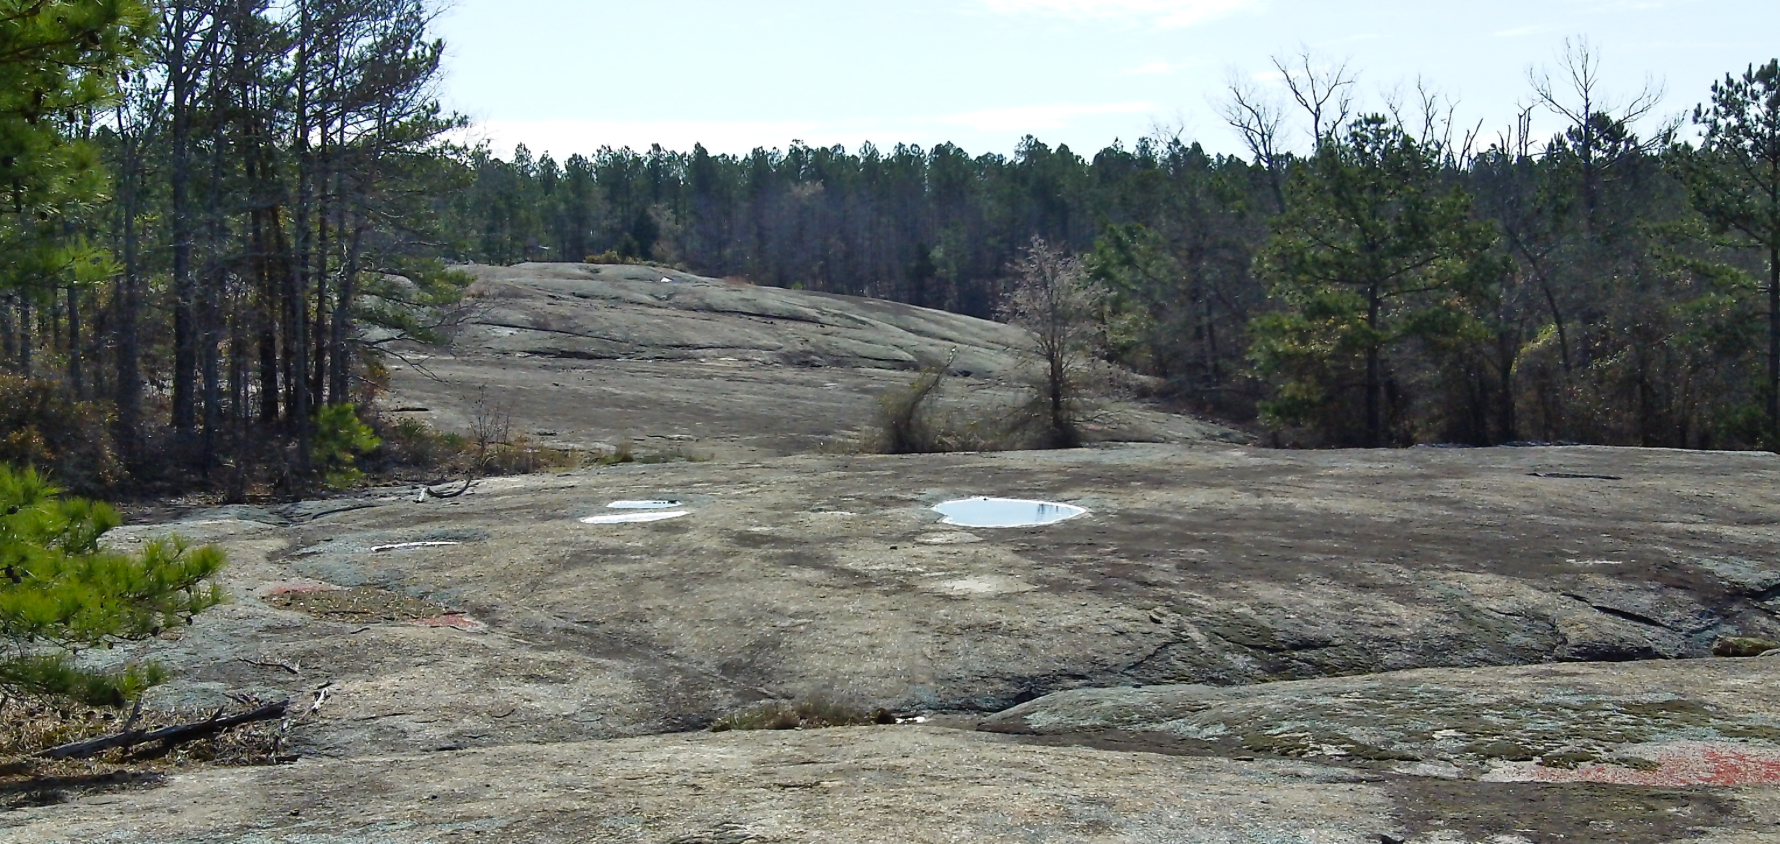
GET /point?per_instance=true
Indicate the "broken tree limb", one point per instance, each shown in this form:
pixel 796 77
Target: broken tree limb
pixel 169 736
pixel 459 491
pixel 270 663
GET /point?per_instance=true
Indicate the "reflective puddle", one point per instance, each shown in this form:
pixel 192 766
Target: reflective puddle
pixel 404 546
pixel 1005 512
pixel 662 504
pixel 640 516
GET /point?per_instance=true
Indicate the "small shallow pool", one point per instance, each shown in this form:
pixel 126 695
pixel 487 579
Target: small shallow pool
pixel 985 512
pixel 638 516
pixel 655 504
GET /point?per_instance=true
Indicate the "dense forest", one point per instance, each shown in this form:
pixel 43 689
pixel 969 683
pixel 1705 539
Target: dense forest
pixel 211 198
pixel 202 192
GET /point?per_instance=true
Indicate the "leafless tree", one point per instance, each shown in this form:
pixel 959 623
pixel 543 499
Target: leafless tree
pixel 1594 118
pixel 1257 118
pixel 1053 298
pixel 1432 119
pixel 1324 90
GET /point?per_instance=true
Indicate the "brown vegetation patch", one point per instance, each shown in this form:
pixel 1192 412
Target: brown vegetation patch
pixel 813 713
pixel 31 726
pixel 1579 813
pixel 360 603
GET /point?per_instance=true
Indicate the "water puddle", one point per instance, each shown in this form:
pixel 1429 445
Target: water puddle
pixel 405 546
pixel 982 512
pixel 640 516
pixel 662 504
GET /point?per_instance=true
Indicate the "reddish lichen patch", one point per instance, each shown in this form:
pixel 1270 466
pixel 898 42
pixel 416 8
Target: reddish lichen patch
pixel 1676 764
pixel 453 620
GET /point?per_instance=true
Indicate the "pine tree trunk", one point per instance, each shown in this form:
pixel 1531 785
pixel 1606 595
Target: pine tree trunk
pixel 8 336
pixel 185 341
pixel 298 408
pixel 1774 345
pixel 76 381
pixel 25 339
pixel 128 387
pixel 1374 377
pixel 210 297
pixel 340 383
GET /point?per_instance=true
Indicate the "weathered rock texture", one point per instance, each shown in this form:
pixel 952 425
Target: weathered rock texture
pixel 584 356
pixel 1678 723
pixel 830 577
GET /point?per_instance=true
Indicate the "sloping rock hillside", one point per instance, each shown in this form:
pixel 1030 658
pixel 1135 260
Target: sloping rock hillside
pixel 585 356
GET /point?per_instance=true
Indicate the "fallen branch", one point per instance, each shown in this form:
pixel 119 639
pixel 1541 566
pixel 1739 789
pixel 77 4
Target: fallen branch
pixel 168 736
pixel 321 696
pixel 267 663
pixel 460 490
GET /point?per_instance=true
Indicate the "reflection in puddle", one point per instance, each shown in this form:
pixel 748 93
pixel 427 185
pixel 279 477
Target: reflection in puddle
pixel 1005 512
pixel 644 505
pixel 645 516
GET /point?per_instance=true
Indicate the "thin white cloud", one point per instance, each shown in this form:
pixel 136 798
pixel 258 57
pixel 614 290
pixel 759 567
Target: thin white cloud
pixel 1156 68
pixel 1167 13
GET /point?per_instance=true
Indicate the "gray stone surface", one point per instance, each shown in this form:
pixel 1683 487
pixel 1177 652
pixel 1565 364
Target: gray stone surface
pixel 586 356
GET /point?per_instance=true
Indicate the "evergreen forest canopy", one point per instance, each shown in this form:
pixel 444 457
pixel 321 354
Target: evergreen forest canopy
pixel 210 198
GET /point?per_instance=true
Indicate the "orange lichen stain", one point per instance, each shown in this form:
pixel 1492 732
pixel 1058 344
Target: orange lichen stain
pixel 1677 764
pixel 453 620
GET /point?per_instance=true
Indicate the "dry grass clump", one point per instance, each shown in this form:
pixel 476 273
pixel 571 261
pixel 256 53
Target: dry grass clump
pixel 910 420
pixel 411 443
pixel 612 256
pixel 28 726
pixel 807 714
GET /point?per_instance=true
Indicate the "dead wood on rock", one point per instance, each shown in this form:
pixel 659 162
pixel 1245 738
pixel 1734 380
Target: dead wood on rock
pixel 168 736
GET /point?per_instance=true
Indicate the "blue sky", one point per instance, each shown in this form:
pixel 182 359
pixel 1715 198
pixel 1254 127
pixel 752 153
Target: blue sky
pixel 565 77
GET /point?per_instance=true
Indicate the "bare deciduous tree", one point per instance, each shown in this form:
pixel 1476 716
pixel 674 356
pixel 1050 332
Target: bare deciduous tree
pixel 1324 90
pixel 1257 118
pixel 1053 298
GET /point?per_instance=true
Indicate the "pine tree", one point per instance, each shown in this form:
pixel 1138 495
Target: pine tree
pixel 62 593
pixel 58 58
pixel 1735 181
pixel 1371 250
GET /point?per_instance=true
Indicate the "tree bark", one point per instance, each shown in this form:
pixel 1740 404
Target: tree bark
pixel 1374 376
pixel 76 379
pixel 185 341
pixel 127 391
pixel 1774 345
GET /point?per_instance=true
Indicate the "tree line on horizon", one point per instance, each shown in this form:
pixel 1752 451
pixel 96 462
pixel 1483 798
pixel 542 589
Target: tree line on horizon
pixel 1401 281
pixel 212 199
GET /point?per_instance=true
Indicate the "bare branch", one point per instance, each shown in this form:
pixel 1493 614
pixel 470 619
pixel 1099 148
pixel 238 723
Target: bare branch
pixel 1325 92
